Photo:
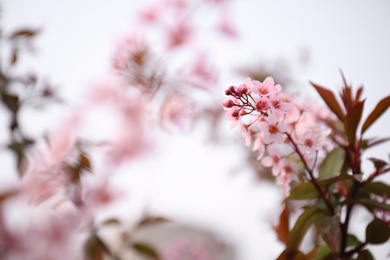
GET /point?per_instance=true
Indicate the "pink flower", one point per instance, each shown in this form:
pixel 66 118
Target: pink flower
pixel 312 140
pixel 267 88
pixel 178 34
pixel 258 145
pixel 152 12
pixel 273 159
pixel 286 175
pixel 233 114
pixel 273 130
pixel 226 26
pixel 262 104
pixel 277 103
pixel 201 72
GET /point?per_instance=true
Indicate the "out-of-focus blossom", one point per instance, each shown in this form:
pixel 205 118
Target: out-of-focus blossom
pixel 273 130
pixel 273 159
pixel 177 110
pixel 185 249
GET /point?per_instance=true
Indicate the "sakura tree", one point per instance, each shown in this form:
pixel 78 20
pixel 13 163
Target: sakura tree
pixel 315 154
pixel 163 76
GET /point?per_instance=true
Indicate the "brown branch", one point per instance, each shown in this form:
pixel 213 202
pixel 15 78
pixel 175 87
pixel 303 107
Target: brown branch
pixel 311 175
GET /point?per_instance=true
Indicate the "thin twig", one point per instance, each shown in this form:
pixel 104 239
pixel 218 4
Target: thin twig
pixel 311 175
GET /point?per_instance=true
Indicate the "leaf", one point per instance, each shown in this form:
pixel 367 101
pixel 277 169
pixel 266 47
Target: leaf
pixel 378 163
pixel 93 249
pixel 329 181
pixel 332 164
pixel 352 241
pixel 331 233
pixel 376 113
pixel 378 188
pixel 152 220
pixel 282 229
pixel 352 120
pixel 369 204
pixel 358 94
pixel 111 221
pixel 8 194
pixel 298 256
pixel 14 57
pixel 11 101
pixel 303 223
pixel 370 143
pixel 330 100
pixel 377 232
pixel 84 162
pixel 303 191
pixel 24 33
pixel 322 252
pixel 365 255
pixel 145 250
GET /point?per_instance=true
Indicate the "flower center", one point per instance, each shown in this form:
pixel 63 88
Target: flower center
pixel 309 142
pixel 273 129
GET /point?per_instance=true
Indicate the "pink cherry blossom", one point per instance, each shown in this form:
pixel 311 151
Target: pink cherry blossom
pixel 178 34
pixel 277 103
pixel 233 114
pixel 272 159
pixel 258 145
pixel 267 88
pixel 273 130
pixel 286 174
pixel 226 26
pixel 262 104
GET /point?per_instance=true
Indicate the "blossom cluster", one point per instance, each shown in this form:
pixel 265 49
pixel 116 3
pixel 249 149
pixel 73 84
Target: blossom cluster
pixel 285 131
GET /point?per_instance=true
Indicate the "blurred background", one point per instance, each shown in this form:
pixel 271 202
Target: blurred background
pixel 203 177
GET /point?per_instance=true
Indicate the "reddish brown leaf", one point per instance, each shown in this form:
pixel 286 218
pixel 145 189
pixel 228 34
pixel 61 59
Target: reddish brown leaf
pixel 376 113
pixel 358 94
pixel 330 100
pixel 331 233
pixel 282 229
pixel 352 120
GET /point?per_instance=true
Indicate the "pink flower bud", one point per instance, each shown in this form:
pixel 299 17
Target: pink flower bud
pixel 228 103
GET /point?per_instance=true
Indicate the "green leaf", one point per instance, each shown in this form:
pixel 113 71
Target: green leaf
pixel 330 100
pixel 329 181
pixel 377 232
pixel 352 241
pixel 369 204
pixel 376 113
pixel 323 251
pixel 298 256
pixel 365 255
pixel 332 164
pixel 352 120
pixel 378 188
pixel 303 223
pixel 145 250
pixel 331 233
pixel 303 191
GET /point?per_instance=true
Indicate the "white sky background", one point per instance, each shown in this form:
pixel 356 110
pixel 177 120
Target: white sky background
pixel 190 180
